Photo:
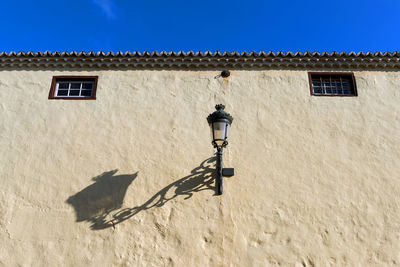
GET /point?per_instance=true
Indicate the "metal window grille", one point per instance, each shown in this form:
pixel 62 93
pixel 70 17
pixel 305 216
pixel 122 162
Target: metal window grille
pixel 333 85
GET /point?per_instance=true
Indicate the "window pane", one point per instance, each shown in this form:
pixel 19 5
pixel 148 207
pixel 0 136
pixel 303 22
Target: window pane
pixel 63 85
pixel 86 85
pixel 317 90
pixel 86 93
pixel 62 93
pixel 316 83
pixel 75 85
pixel 74 93
pixel 328 90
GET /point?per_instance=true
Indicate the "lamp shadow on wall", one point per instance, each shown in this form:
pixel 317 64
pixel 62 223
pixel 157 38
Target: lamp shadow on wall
pixel 101 198
pixel 101 203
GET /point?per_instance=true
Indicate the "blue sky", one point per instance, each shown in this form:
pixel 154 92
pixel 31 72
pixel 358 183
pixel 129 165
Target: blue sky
pixel 113 25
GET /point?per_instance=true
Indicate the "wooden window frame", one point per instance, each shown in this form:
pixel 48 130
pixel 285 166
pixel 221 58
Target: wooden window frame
pixel 343 74
pixel 73 78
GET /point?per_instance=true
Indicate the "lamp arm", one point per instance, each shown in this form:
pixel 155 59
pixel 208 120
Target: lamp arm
pixel 219 171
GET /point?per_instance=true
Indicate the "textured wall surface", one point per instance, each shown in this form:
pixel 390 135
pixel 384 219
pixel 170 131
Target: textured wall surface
pixel 127 179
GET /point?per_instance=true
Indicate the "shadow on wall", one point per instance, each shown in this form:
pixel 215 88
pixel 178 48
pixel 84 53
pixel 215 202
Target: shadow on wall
pixel 105 197
pixel 98 200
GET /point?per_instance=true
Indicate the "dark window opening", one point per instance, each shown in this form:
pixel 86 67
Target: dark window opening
pixel 332 84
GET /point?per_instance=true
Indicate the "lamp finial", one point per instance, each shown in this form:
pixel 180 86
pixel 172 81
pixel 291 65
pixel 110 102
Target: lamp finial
pixel 219 107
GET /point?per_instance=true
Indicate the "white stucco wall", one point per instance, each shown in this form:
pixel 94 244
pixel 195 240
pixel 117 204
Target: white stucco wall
pixel 317 179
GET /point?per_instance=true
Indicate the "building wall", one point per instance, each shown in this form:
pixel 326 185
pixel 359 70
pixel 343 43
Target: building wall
pixel 127 179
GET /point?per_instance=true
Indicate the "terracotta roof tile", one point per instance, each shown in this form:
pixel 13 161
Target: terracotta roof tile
pixel 202 60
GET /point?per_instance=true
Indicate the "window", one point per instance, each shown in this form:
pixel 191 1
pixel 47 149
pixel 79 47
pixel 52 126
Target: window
pixel 73 87
pixel 332 84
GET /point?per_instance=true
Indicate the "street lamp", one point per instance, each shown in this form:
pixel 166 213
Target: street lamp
pixel 220 122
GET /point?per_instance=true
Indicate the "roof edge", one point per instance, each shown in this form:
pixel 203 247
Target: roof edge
pixel 207 59
pixel 191 53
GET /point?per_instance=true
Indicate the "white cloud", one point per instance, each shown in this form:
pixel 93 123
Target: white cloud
pixel 107 6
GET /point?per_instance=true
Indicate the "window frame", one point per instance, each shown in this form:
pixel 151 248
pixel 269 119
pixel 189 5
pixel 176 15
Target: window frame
pixel 342 74
pixel 73 78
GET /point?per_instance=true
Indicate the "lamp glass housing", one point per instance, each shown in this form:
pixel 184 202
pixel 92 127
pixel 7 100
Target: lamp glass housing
pixel 219 133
